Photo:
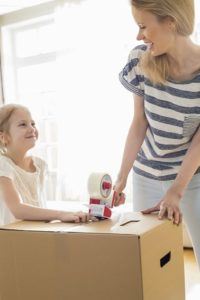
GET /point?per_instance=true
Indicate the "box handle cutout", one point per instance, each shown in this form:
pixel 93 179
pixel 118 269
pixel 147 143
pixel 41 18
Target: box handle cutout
pixel 165 259
pixel 130 221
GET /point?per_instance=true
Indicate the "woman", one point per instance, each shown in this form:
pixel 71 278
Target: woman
pixel 163 143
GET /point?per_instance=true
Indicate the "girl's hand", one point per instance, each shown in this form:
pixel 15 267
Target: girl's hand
pixel 118 188
pixel 168 206
pixel 76 217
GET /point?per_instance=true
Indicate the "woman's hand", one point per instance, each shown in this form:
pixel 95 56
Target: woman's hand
pixel 168 206
pixel 119 186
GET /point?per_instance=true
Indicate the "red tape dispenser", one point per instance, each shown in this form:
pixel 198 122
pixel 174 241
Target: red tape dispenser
pixel 101 195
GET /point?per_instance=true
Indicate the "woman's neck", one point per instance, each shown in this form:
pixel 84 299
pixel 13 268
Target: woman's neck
pixel 184 59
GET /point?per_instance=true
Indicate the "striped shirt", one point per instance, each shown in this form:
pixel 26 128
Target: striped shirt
pixel 173 114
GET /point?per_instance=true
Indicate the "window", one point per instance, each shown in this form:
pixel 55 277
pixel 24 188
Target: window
pixel 64 66
pixel 31 82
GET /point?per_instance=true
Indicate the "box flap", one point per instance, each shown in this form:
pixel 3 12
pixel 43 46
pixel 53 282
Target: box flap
pixel 54 226
pixel 134 223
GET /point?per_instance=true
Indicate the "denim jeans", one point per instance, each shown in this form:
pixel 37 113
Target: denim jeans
pixel 148 192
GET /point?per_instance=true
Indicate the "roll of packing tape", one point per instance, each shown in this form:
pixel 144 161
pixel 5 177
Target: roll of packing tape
pixel 99 185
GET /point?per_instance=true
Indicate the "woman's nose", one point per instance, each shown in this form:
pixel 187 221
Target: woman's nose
pixel 140 36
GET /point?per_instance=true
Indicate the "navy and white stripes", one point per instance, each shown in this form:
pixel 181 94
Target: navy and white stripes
pixel 173 114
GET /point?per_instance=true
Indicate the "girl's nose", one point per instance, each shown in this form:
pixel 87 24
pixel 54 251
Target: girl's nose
pixel 31 128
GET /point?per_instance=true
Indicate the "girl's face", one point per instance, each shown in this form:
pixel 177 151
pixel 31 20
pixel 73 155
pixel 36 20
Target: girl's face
pixel 23 133
pixel 158 35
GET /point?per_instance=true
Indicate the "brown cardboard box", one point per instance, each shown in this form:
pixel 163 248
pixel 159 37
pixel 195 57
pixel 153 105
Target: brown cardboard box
pixel 131 258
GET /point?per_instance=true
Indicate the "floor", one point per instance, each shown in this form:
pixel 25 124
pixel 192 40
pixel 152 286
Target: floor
pixel 192 276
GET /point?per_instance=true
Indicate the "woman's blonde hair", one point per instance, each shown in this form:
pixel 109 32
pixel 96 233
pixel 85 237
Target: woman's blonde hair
pixel 156 68
pixel 6 112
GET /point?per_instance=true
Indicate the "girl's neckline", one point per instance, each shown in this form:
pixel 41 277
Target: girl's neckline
pixel 21 169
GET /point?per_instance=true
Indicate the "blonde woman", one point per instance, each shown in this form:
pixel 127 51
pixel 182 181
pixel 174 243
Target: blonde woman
pixel 163 143
pixel 22 175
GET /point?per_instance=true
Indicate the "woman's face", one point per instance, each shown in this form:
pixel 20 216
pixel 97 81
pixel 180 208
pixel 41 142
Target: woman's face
pixel 158 35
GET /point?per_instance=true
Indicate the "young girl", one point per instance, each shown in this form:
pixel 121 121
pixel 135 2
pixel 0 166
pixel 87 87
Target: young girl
pixel 22 176
pixel 163 143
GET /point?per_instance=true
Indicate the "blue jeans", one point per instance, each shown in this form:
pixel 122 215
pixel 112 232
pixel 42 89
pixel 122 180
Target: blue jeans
pixel 148 192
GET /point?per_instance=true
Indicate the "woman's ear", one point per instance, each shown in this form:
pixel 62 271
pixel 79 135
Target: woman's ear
pixel 171 23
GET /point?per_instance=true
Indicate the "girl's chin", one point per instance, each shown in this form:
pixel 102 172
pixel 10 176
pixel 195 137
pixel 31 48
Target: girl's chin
pixel 30 146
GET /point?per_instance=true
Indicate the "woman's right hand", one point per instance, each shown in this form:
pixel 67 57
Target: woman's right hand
pixel 118 188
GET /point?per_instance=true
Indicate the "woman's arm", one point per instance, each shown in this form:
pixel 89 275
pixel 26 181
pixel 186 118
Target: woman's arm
pixel 169 205
pixel 190 164
pixel 24 211
pixel 133 143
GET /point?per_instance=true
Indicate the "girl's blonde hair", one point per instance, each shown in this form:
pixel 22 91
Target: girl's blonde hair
pixel 6 112
pixel 156 68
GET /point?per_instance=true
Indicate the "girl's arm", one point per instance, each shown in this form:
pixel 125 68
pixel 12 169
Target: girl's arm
pixel 24 211
pixel 169 205
pixel 133 143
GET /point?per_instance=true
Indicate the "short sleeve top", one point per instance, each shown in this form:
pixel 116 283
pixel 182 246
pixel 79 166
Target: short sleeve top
pixel 131 76
pixel 173 114
pixel 29 185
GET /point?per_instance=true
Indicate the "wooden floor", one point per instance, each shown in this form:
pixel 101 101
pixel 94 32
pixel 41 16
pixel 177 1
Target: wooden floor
pixel 192 276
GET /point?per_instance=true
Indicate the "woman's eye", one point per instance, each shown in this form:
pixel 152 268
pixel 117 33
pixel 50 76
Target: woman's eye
pixel 22 124
pixel 141 26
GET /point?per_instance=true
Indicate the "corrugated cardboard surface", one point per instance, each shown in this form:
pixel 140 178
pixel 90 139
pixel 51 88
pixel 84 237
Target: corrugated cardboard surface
pixel 162 263
pixel 101 260
pixel 69 266
pixel 133 223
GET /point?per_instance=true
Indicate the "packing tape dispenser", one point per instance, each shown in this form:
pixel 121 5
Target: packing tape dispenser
pixel 102 195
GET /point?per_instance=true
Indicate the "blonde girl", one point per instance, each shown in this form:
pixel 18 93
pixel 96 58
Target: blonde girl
pixel 22 176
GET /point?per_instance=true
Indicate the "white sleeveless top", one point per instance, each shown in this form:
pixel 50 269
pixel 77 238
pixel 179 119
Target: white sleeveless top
pixel 29 185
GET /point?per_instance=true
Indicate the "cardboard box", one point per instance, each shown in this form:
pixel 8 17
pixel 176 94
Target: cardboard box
pixel 133 257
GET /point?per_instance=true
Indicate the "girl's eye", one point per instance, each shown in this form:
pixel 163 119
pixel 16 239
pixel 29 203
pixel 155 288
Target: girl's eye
pixel 22 124
pixel 33 124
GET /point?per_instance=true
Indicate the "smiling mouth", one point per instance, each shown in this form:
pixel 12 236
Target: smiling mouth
pixel 31 137
pixel 149 45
